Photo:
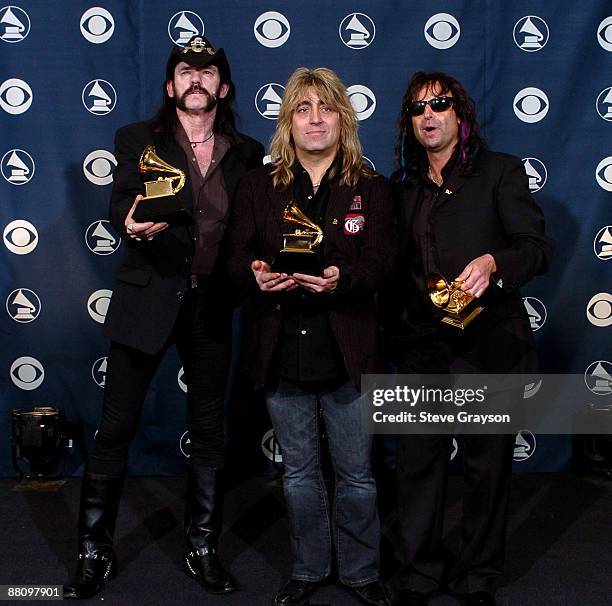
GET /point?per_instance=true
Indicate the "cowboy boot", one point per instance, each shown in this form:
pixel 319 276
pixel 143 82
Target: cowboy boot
pixel 203 522
pixel 100 495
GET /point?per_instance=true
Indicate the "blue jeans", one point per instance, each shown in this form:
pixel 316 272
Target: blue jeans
pixel 354 528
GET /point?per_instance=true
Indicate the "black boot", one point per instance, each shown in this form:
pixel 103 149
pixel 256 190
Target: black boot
pixel 100 495
pixel 203 521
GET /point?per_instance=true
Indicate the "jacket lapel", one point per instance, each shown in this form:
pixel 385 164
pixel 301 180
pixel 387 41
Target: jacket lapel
pixel 407 194
pixel 278 200
pixel 452 186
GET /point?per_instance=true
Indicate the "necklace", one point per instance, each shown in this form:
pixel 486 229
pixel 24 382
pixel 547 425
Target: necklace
pixel 430 174
pixel 194 143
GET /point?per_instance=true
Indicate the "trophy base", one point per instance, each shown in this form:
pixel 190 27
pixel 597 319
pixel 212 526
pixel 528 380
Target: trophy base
pixel 463 320
pixel 297 262
pixel 158 209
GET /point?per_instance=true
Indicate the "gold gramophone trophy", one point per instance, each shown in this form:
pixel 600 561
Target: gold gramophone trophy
pixel 160 201
pixel 459 307
pixel 298 252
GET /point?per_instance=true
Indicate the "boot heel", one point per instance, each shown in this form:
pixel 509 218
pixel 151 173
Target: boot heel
pixel 92 572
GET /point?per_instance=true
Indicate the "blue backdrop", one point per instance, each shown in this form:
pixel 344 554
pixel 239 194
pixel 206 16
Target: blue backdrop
pixel 71 73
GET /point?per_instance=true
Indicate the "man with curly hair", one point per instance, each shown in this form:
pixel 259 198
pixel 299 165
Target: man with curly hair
pixel 465 213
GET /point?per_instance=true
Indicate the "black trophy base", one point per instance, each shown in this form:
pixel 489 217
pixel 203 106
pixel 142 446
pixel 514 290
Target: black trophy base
pixel 169 209
pixel 289 262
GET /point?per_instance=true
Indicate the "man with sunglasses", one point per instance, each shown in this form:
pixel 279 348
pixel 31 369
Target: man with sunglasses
pixel 467 214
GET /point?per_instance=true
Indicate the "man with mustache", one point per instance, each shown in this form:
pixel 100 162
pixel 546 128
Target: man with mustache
pixel 170 290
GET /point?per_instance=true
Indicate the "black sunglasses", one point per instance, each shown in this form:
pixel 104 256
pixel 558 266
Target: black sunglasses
pixel 437 104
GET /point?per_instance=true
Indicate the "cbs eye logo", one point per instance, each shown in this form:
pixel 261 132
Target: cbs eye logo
pixel 363 100
pixel 15 96
pixel 604 34
pixel 14 24
pixel 98 167
pixel 183 26
pixel 27 373
pixel 97 25
pixel 97 304
pixel 442 31
pixel 99 97
pixel 603 173
pixel 530 105
pixel 20 237
pixel 599 310
pixel 272 29
pixel 270 447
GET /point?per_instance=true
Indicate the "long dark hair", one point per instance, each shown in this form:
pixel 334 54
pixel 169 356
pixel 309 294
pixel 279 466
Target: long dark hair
pixel 165 119
pixel 411 155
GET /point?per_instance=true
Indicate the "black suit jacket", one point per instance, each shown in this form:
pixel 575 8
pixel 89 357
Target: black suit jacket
pixel 493 212
pixel 365 261
pixel 152 279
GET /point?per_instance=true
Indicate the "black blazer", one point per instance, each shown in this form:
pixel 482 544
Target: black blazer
pixel 152 279
pixel 365 260
pixel 493 212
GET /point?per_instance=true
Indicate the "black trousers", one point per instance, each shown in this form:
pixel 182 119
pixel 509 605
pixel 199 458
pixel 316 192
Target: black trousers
pixel 422 470
pixel 202 334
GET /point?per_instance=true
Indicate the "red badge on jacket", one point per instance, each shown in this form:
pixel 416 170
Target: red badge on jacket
pixel 353 224
pixel 356 204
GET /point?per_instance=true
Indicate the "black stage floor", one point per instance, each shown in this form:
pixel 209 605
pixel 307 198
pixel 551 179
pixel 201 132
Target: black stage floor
pixel 559 542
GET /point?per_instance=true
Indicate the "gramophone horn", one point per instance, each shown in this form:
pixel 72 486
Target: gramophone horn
pixel 150 162
pixel 293 214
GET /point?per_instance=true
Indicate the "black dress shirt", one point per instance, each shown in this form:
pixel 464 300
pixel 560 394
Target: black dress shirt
pixel 425 252
pixel 307 349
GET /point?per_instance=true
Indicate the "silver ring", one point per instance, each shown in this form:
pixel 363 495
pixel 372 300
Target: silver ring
pixel 130 227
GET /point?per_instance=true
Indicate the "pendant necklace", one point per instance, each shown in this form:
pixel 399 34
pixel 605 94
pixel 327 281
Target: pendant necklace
pixel 194 143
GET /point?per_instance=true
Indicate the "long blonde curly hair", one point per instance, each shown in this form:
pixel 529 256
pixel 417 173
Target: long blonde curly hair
pixel 333 93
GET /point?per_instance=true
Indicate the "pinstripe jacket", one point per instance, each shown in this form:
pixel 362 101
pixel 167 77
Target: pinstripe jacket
pixel 358 237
